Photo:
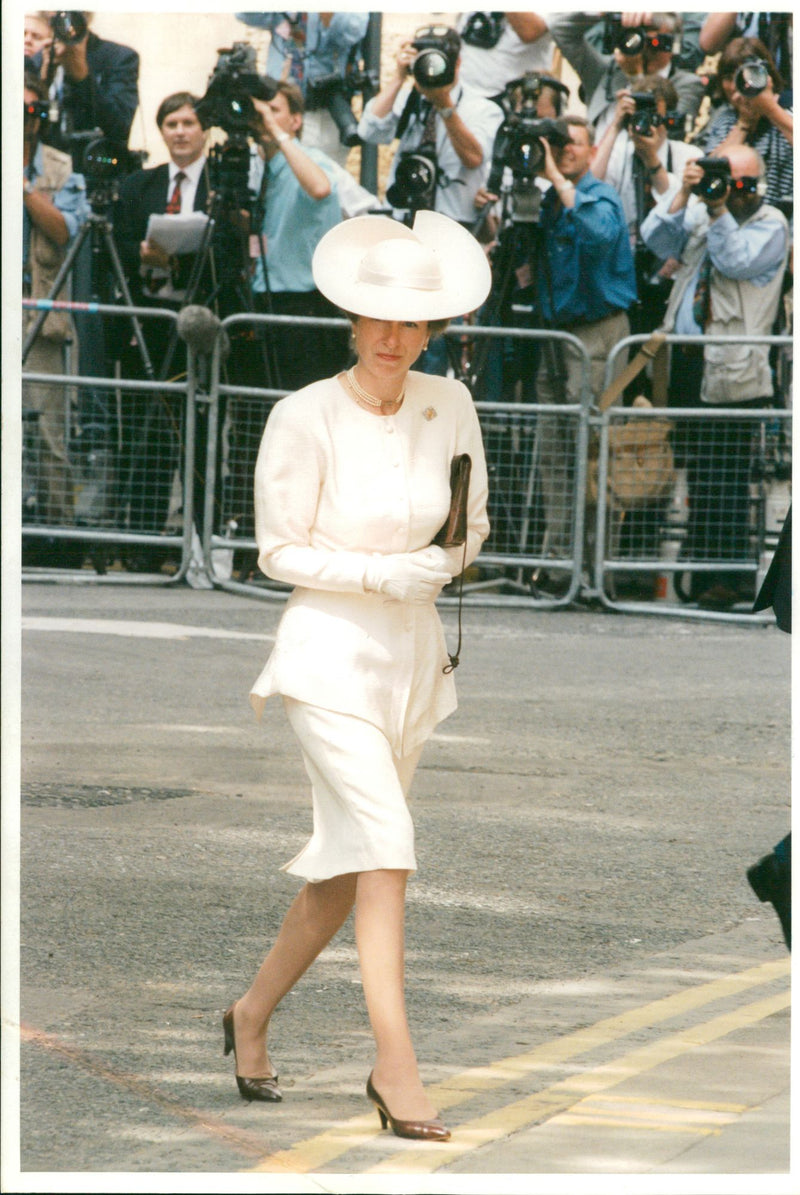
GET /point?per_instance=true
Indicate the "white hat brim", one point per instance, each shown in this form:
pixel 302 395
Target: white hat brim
pixel 465 271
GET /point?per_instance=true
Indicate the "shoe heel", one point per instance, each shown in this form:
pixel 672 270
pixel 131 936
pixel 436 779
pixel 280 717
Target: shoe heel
pixel 382 1115
pixel 227 1028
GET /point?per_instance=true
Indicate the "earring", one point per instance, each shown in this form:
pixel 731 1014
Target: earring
pixel 425 345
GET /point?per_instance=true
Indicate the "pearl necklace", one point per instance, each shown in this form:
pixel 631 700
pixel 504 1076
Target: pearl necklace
pixel 368 399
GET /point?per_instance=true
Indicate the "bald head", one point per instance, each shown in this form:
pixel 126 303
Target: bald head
pixel 745 162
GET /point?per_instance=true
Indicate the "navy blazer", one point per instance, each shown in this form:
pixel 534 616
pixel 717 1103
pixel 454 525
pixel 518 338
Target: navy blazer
pixel 109 96
pixel 142 194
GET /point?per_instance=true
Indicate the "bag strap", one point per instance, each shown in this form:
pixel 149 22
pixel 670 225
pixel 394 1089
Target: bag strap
pixel 653 350
pixel 454 657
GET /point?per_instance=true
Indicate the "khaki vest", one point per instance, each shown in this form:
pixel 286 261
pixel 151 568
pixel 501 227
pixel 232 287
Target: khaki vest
pixel 44 256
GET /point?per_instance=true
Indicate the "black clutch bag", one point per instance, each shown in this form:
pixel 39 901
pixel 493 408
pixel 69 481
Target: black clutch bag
pixel 453 533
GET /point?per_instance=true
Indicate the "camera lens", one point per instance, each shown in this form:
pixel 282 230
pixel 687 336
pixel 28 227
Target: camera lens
pixel 631 42
pixel 714 187
pixel 430 67
pixel 751 78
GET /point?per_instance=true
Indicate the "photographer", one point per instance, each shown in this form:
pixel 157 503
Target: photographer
pixel 643 47
pixel 638 158
pixel 95 82
pixel 309 48
pixel 302 204
pixel 584 284
pixel 752 114
pixel 497 47
pixel 734 248
pixel 54 208
pixel 438 119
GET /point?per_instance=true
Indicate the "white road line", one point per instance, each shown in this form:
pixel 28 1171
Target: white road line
pixel 134 630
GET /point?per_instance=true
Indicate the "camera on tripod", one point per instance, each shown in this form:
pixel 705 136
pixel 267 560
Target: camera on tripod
pixel 234 83
pixel 438 48
pixel 228 105
pixel 69 27
pixel 517 144
pixel 716 178
pixel 752 77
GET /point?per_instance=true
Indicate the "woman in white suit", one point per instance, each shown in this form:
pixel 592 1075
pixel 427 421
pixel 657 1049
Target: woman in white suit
pixel 352 485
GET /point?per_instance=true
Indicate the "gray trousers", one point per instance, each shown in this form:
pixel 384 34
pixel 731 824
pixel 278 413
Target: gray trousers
pixel 559 381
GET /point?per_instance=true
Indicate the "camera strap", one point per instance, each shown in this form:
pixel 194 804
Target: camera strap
pixel 412 108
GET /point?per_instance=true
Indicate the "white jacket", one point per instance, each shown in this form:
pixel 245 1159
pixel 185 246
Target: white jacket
pixel 334 486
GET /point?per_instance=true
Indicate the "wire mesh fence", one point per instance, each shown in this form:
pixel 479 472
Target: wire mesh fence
pixel 675 510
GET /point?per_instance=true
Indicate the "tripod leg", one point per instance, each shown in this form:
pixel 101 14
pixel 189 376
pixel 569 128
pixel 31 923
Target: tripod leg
pixel 119 276
pixel 60 278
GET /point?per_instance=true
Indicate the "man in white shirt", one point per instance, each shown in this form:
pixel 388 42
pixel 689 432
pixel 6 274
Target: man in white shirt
pixel 458 125
pixel 500 46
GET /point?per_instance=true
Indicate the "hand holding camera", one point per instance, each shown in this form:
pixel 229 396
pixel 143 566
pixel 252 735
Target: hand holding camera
pixel 70 35
pixel 710 180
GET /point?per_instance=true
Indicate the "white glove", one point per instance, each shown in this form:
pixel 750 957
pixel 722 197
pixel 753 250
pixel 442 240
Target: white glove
pixel 415 577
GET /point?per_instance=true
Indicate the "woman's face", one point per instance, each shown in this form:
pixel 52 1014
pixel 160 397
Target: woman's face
pixel 388 348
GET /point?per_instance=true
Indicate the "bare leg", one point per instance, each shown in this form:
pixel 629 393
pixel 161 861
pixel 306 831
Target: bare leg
pixel 380 937
pixel 314 917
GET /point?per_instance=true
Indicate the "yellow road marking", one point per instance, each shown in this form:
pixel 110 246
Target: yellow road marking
pixel 522 1114
pixel 320 1150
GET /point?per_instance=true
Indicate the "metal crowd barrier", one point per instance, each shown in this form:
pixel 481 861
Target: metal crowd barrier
pixel 636 557
pixel 136 437
pixel 517 550
pixel 659 553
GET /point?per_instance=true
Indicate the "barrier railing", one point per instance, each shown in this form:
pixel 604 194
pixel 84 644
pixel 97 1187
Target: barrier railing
pixel 120 473
pixel 690 501
pixel 517 550
pixel 633 557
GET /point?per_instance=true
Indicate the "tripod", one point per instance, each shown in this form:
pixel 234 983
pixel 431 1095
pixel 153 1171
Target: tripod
pixel 98 228
pixel 512 446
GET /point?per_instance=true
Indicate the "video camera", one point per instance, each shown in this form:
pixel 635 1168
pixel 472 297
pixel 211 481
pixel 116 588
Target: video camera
pixel 335 92
pixel 234 83
pixel 438 48
pixel 631 41
pixel 517 144
pixel 68 27
pixel 104 163
pixel 752 77
pixel 228 105
pixel 716 178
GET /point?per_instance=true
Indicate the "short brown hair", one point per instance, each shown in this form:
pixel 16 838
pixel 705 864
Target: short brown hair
pixel 178 99
pixel 582 123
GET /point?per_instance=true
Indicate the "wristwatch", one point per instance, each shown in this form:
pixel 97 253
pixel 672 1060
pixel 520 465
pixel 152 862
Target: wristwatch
pixel 446 113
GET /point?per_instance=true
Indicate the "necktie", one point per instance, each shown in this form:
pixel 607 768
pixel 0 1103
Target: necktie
pixel 429 128
pixel 701 303
pixel 173 208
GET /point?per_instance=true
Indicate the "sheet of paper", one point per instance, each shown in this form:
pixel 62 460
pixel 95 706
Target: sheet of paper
pixel 177 234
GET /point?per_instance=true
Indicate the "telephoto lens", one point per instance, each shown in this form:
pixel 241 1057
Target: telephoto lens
pixel 752 77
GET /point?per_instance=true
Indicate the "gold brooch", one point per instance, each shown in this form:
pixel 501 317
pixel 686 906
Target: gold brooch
pixel 429 413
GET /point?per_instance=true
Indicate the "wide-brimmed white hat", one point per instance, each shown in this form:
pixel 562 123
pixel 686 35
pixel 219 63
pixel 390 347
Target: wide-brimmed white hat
pixel 376 266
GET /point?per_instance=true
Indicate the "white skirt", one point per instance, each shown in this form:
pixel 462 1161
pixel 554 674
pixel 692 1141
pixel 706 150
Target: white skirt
pixel 359 789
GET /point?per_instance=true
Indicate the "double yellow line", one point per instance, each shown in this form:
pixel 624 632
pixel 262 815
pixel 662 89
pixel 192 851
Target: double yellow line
pixel 324 1148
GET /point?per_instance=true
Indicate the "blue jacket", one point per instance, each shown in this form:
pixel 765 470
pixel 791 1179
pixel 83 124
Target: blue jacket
pixel 587 272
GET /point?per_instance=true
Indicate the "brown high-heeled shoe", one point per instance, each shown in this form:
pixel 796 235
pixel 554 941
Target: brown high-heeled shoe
pixel 418 1130
pixel 250 1089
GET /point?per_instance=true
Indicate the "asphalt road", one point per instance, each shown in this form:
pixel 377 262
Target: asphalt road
pixel 592 985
